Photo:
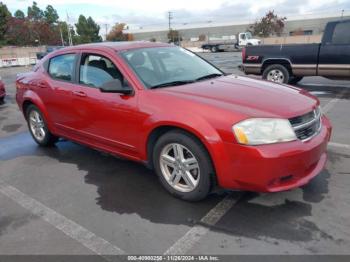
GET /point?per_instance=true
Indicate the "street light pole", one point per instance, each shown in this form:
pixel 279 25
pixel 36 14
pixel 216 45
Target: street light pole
pixel 69 32
pixel 59 25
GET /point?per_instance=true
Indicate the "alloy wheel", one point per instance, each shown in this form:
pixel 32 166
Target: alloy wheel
pixel 37 125
pixel 179 167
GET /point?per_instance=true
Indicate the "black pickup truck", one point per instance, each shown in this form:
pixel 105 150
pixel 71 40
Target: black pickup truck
pixel 290 63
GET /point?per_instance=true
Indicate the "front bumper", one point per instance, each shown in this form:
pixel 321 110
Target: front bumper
pixel 276 167
pixel 2 93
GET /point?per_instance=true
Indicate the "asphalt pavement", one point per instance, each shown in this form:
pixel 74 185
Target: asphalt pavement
pixel 71 199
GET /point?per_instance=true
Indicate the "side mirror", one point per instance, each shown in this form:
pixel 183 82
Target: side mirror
pixel 116 86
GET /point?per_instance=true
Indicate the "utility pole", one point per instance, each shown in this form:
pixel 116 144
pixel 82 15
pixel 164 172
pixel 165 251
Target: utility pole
pixel 59 25
pixel 69 32
pixel 170 17
pixel 342 14
pixel 106 28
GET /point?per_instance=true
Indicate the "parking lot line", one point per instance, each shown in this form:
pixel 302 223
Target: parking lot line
pixel 334 144
pixel 88 239
pixel 185 243
pixel 327 107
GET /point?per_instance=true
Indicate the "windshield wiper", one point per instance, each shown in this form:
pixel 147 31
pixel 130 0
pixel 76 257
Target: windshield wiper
pixel 208 76
pixel 173 83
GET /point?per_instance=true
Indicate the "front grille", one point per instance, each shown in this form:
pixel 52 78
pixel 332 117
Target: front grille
pixel 308 125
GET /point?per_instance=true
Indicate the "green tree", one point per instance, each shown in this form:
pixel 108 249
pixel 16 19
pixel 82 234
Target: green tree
pixel 270 24
pixel 5 16
pixel 51 15
pixel 34 12
pixel 87 30
pixel 19 14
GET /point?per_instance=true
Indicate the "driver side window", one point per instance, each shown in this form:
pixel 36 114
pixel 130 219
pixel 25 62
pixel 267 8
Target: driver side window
pixel 97 70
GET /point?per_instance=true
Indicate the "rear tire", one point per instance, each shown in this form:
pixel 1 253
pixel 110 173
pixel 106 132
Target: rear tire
pixel 187 175
pixel 295 79
pixel 38 127
pixel 214 49
pixel 277 73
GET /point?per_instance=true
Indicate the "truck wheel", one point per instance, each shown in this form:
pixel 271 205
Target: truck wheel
pixel 183 166
pixel 276 73
pixel 214 49
pixel 295 79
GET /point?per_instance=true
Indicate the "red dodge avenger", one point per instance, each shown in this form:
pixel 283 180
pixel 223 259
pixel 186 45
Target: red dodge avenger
pixel 168 108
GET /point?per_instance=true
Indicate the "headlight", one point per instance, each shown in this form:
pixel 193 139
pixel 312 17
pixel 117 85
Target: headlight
pixel 258 131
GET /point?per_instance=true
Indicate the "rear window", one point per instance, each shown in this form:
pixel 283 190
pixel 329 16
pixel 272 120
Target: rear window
pixel 62 67
pixel 341 34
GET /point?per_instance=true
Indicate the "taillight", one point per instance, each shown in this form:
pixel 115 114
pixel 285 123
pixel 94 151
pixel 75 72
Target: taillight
pixel 243 54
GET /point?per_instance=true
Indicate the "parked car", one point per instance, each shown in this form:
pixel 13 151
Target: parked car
pixel 166 107
pixel 238 41
pixel 290 63
pixel 2 90
pixel 48 50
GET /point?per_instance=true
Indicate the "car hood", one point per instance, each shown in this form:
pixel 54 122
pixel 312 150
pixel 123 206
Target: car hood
pixel 254 98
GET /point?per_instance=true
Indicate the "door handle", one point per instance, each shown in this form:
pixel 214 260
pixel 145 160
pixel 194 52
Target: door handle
pixel 79 93
pixel 42 85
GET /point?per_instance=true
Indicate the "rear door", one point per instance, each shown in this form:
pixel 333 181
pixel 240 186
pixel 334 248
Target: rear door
pixel 334 58
pixel 57 89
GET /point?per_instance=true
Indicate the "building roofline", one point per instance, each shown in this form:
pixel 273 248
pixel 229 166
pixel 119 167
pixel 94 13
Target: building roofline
pixel 300 17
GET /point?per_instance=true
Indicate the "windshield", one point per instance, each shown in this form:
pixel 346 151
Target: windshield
pixel 249 35
pixel 166 66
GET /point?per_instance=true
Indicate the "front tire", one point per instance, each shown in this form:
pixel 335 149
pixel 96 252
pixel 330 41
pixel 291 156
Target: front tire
pixel 277 73
pixel 183 165
pixel 38 127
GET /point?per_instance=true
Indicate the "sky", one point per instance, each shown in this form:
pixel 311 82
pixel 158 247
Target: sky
pixel 153 13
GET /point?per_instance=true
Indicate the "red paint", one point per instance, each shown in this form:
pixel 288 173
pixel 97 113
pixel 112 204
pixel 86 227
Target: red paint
pixel 252 58
pixel 244 50
pixel 121 124
pixel 2 90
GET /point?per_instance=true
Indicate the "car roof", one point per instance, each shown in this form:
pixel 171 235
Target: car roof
pixel 118 46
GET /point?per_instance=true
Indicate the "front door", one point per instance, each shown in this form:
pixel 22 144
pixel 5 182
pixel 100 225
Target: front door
pixel 108 120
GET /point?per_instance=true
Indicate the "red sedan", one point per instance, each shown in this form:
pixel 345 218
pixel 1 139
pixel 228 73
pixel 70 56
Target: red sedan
pixel 173 111
pixel 2 91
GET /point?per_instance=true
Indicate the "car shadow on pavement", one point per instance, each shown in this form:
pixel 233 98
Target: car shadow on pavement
pixel 123 186
pixel 126 187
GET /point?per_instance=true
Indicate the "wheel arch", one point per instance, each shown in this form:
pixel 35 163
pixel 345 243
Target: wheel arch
pixel 26 103
pixel 33 99
pixel 279 61
pixel 160 130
